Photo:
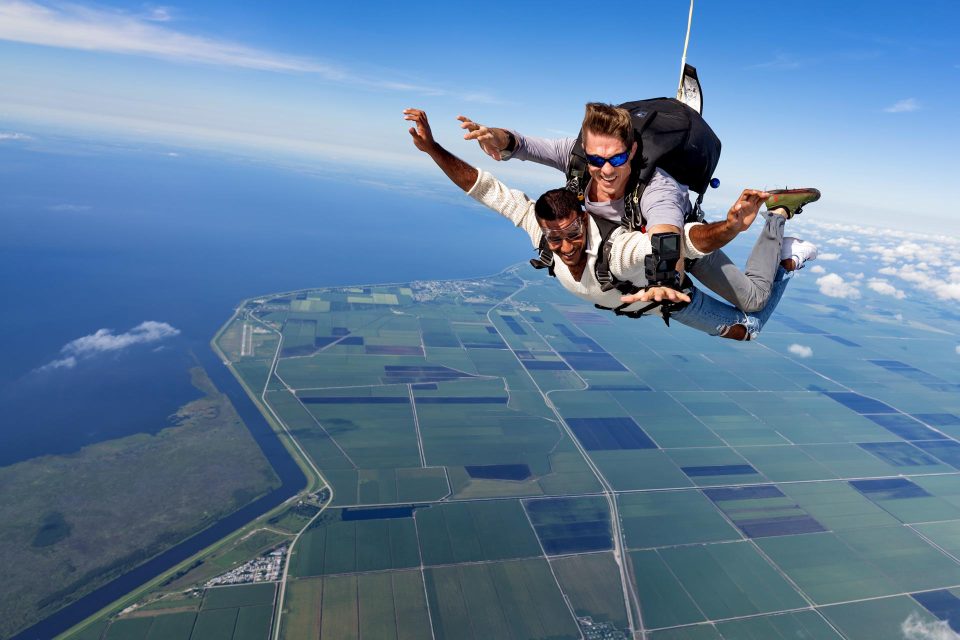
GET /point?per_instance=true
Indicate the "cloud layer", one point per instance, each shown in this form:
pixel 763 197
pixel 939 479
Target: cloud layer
pixel 72 26
pixel 13 135
pixel 105 340
pixel 905 264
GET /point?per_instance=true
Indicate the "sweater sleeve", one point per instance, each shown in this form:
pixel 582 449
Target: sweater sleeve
pixel 629 249
pixel 512 204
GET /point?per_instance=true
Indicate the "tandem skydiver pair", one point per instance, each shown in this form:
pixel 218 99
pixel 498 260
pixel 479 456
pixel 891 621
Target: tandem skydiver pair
pixel 627 254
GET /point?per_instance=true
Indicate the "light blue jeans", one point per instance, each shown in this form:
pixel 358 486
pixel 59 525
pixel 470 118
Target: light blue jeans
pixel 715 318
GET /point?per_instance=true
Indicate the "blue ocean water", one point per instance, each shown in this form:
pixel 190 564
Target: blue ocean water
pixel 109 237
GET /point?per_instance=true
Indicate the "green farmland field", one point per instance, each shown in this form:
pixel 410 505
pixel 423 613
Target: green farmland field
pixel 335 546
pixel 510 600
pixel 505 463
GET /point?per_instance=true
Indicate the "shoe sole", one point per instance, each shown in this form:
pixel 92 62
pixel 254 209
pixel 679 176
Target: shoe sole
pixel 774 193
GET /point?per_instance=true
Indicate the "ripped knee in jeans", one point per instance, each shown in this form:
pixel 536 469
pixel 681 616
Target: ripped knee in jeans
pixel 734 332
pixel 749 329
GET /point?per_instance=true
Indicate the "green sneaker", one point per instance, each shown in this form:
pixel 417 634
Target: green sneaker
pixel 791 200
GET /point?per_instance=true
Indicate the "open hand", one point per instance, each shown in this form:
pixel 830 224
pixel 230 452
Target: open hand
pixel 744 210
pixel 492 141
pixel 659 294
pixel 421 133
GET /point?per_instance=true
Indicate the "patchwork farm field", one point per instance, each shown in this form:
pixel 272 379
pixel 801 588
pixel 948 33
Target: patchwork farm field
pixel 505 463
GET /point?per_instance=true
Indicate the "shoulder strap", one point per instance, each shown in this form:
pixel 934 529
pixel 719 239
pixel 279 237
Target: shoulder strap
pixel 633 219
pixel 544 259
pixel 577 177
pixel 602 266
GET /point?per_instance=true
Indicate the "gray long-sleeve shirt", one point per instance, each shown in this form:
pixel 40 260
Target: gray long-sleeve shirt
pixel 664 201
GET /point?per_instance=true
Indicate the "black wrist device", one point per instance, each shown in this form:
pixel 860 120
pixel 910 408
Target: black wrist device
pixel 660 267
pixel 511 142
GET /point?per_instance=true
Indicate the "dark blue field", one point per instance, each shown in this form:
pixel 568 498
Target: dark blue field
pixel 719 470
pixel 859 403
pixel 610 434
pixel 570 525
pixel 379 513
pixel 356 400
pixel 889 489
pixel 900 454
pixel 906 427
pixel 943 604
pixel 499 471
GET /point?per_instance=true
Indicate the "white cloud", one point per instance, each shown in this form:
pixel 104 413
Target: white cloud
pixel 105 340
pixel 915 628
pixel 73 26
pixel 906 250
pixel 63 363
pixel 159 14
pixel 883 287
pixel 947 290
pixel 781 62
pixel 70 208
pixel 817 269
pixel 834 286
pixel 800 350
pixel 829 256
pixel 903 106
pixel 13 135
pixel 943 285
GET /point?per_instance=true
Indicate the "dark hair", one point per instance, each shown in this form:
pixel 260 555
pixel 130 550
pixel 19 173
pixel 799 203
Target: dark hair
pixel 610 120
pixel 557 204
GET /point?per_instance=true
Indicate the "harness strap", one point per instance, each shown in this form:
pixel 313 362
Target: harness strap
pixel 544 259
pixel 667 307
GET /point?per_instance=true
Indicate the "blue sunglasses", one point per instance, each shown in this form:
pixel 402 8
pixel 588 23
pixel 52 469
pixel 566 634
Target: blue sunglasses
pixel 615 161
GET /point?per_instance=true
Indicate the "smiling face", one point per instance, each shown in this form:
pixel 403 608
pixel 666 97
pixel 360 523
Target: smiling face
pixel 607 182
pixel 567 238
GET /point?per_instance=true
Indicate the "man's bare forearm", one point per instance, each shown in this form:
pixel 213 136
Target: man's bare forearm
pixel 711 236
pixel 714 235
pixel 460 173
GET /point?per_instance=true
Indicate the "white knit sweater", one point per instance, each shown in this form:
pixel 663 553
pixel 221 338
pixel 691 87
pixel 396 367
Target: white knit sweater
pixel 627 251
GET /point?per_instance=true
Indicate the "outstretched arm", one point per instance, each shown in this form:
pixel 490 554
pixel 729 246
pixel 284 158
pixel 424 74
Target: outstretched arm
pixel 501 144
pixel 482 187
pixel 459 172
pixel 713 235
pixel 492 140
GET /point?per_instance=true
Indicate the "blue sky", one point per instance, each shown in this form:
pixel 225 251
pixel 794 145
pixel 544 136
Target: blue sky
pixel 858 98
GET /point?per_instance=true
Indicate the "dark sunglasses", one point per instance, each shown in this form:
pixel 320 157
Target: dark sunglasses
pixel 615 161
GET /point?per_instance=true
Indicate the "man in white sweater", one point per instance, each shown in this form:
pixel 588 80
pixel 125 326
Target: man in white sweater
pixel 574 237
